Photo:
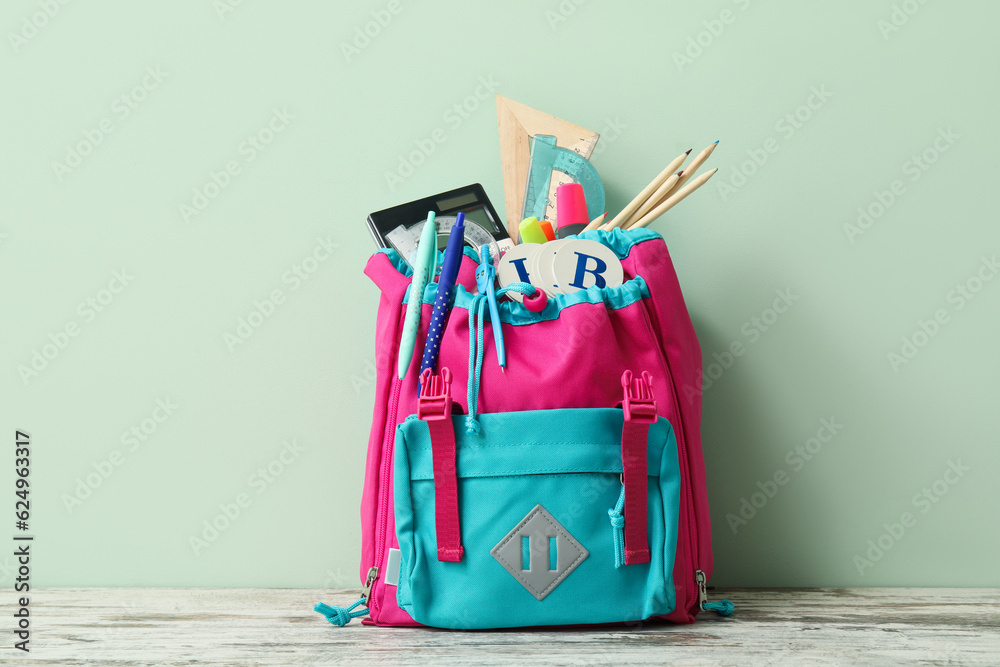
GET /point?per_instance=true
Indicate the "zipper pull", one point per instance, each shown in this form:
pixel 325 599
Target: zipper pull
pixel 369 580
pixel 699 576
pixel 722 607
pixel 342 615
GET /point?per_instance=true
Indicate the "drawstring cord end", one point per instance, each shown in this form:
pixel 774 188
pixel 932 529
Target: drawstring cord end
pixel 618 529
pixel 722 607
pixel 339 615
pixel 472 425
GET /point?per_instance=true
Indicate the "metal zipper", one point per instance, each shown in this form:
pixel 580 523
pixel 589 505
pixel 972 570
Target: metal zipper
pixel 722 607
pixel 383 501
pixel 702 580
pixel 385 466
pixel 687 483
pixel 682 460
pixel 369 580
pixel 385 463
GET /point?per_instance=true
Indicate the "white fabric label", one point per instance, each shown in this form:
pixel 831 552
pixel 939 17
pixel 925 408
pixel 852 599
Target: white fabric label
pixel 392 568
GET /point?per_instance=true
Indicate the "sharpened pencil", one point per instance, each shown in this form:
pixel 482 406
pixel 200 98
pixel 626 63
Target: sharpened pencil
pixel 648 190
pixel 693 167
pixel 673 199
pixel 658 197
pixel 596 222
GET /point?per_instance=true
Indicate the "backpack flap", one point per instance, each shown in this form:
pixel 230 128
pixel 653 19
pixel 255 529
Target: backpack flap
pixel 537 493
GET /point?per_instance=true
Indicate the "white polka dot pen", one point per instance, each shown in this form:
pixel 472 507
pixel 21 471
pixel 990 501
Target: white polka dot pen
pixel 446 285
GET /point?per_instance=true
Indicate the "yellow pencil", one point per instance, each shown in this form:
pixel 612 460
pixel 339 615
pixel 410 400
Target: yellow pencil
pixel 654 199
pixel 693 167
pixel 673 199
pixel 648 190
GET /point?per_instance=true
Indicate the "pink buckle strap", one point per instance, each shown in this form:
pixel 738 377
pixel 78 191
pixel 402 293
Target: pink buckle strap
pixel 640 410
pixel 434 407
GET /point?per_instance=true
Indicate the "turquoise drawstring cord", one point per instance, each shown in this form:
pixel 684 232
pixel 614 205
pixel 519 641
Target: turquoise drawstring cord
pixel 722 607
pixel 477 316
pixel 339 615
pixel 477 307
pixel 617 529
pixel 522 288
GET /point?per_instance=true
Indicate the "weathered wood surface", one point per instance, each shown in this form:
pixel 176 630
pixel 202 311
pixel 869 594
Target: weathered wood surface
pixel 129 626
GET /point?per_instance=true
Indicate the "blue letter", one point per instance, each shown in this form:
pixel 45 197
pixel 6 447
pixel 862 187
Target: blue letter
pixel 522 273
pixel 581 269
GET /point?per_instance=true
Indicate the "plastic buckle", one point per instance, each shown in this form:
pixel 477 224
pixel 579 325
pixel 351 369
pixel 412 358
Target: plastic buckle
pixel 434 402
pixel 639 404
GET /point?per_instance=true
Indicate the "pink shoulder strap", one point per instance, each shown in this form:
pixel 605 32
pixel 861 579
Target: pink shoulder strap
pixel 640 411
pixel 434 407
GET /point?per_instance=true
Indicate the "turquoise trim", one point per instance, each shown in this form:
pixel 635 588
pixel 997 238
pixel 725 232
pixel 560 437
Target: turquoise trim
pixel 631 291
pixel 562 460
pixel 513 313
pixel 588 441
pixel 396 261
pixel 516 314
pixel 619 240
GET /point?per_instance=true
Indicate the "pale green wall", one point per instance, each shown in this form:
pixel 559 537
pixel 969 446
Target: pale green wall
pixel 304 375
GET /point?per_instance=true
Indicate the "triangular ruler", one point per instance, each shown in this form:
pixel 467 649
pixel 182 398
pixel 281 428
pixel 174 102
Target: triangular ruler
pixel 518 123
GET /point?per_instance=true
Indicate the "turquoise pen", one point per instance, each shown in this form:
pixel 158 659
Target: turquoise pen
pixel 424 264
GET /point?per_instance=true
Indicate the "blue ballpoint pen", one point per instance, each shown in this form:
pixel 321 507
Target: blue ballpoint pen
pixel 446 285
pixel 485 276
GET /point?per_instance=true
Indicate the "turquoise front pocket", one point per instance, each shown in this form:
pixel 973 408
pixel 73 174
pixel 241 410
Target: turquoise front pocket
pixel 535 489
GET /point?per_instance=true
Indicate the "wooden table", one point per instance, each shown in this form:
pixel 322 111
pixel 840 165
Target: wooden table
pixel 133 626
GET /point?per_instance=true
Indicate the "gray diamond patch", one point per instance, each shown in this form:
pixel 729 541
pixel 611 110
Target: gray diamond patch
pixel 527 552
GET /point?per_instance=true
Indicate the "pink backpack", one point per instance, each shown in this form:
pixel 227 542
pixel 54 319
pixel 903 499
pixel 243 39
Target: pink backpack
pixel 592 362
